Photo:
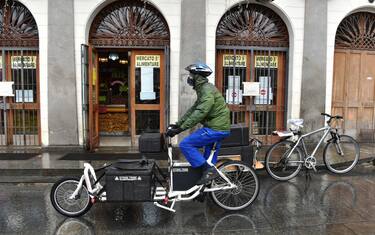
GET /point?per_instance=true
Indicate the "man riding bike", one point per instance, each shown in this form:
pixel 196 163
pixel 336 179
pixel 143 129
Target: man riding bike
pixel 210 110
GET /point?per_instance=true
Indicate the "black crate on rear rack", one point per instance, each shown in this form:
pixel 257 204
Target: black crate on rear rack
pixel 130 181
pixel 151 143
pixel 239 136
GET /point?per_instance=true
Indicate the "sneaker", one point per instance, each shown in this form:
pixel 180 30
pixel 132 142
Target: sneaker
pixel 208 175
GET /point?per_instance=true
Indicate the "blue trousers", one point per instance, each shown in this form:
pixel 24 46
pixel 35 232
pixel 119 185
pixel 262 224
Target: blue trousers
pixel 204 137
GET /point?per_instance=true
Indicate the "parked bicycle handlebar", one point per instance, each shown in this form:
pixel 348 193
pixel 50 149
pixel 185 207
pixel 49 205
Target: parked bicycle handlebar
pixel 331 117
pixel 256 141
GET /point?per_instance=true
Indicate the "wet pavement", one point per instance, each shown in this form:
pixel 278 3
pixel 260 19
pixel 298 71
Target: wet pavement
pixel 322 204
pixel 48 162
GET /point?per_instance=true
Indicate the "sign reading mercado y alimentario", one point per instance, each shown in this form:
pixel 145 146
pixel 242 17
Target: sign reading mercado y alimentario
pixel 266 61
pixel 228 60
pixel 25 62
pixel 147 61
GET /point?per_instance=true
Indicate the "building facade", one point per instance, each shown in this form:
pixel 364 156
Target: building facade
pixel 100 72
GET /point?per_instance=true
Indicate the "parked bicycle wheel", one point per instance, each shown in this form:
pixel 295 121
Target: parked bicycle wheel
pixel 341 156
pixel 279 165
pixel 60 193
pixel 244 177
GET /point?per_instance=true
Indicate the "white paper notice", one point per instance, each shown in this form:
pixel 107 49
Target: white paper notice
pixel 251 88
pixel 6 88
pixel 233 96
pixel 234 92
pixel 266 95
pixel 147 84
pixel 26 97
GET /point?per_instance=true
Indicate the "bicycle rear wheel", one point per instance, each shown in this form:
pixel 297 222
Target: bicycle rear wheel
pixel 340 157
pixel 244 177
pixel 279 165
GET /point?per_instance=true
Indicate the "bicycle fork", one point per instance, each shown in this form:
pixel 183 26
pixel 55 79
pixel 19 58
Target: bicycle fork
pixel 338 148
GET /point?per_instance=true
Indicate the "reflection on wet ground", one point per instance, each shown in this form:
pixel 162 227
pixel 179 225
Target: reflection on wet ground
pixel 325 203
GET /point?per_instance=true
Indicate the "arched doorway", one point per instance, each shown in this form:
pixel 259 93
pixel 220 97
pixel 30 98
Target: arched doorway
pixel 252 46
pixel 127 66
pixel 354 75
pixel 19 63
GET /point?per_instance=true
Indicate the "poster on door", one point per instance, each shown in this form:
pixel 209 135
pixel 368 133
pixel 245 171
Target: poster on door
pixel 266 62
pixel 234 93
pixel 150 61
pixel 265 92
pixel 232 60
pixel 24 96
pixel 147 84
pixel 147 63
pixel 23 62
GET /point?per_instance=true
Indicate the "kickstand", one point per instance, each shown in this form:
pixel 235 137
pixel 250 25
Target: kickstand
pixel 308 180
pixel 165 207
pixel 307 175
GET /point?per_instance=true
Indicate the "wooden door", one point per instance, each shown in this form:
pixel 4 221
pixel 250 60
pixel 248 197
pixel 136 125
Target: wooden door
pixel 93 138
pixel 354 91
pixel 229 79
pixel 265 113
pixel 268 69
pixel 147 92
pixel 21 118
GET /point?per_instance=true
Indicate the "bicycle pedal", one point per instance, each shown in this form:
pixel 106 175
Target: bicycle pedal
pixel 314 168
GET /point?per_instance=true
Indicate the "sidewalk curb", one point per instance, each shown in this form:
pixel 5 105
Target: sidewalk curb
pixel 51 175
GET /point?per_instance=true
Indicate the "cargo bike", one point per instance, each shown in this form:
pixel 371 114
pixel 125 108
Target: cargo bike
pixel 131 181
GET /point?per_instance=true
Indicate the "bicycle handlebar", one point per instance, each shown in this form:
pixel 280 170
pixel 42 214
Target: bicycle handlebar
pixel 331 117
pixel 256 141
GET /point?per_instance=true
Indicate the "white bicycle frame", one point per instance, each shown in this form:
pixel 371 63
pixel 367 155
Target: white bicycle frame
pixel 160 192
pixel 85 178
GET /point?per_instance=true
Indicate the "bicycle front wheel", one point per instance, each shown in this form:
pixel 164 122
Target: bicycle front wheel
pixel 61 201
pixel 281 162
pixel 244 177
pixel 341 156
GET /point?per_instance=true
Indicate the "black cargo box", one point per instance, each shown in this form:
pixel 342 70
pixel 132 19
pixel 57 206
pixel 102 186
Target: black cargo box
pixel 130 181
pixel 185 177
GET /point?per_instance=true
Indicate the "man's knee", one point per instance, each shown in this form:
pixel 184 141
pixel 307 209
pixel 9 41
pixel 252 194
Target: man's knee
pixel 184 144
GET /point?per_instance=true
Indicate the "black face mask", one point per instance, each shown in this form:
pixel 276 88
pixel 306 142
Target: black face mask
pixel 190 80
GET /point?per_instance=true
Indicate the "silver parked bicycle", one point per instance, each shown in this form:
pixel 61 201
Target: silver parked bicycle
pixel 285 158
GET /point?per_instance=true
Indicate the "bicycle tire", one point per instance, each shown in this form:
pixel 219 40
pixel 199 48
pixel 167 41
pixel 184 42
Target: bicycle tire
pixel 249 182
pixel 331 164
pixel 59 207
pixel 272 170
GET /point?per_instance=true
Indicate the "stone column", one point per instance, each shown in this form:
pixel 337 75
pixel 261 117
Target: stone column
pixel 313 88
pixel 62 96
pixel 193 48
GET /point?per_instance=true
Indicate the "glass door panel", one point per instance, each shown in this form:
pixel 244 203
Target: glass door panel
pixel 147 91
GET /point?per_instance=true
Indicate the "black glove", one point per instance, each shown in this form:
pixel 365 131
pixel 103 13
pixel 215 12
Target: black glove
pixel 174 131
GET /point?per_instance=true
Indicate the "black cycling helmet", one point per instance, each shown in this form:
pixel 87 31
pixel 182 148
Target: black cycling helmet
pixel 199 68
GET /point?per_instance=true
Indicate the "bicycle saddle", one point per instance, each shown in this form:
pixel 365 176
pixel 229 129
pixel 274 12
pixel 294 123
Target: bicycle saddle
pixel 296 122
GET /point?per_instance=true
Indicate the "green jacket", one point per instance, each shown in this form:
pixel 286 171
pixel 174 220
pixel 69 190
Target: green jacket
pixel 209 109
